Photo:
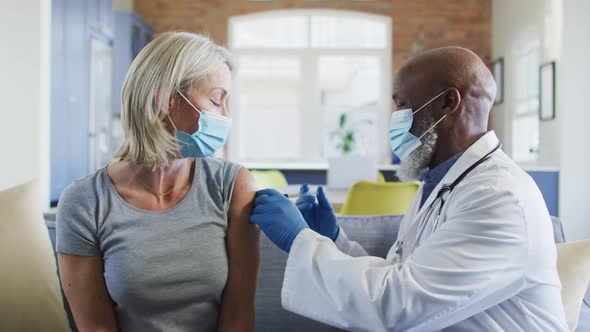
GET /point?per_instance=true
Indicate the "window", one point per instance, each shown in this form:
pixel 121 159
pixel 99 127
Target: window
pixel 525 129
pixel 297 72
pixel 269 104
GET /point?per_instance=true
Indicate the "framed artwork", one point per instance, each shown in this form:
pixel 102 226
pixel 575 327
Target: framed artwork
pixel 498 72
pixel 547 91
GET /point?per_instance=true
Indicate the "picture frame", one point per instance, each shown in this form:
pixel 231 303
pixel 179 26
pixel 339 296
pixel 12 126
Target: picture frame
pixel 547 91
pixel 498 73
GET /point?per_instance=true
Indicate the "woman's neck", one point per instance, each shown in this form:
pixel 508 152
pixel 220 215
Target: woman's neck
pixel 161 181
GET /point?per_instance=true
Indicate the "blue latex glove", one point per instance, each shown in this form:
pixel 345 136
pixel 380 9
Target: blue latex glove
pixel 319 215
pixel 278 218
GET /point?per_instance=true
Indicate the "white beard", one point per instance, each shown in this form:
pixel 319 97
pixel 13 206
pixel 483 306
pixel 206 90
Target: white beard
pixel 411 168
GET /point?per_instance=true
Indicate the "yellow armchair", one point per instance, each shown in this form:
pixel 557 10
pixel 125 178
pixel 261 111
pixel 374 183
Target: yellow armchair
pixel 270 179
pixel 379 198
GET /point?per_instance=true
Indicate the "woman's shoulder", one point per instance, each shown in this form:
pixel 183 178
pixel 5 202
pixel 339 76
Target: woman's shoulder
pixel 76 206
pixel 82 189
pixel 217 166
pixel 216 162
pixel 218 174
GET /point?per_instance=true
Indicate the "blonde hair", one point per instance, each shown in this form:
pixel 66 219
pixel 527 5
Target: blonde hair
pixel 172 61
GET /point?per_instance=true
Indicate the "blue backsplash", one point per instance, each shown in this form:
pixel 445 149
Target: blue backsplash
pixel 548 182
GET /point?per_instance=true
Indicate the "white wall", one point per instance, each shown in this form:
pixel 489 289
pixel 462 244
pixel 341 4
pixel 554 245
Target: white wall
pixel 563 29
pixel 573 88
pixel 24 92
pixel 515 22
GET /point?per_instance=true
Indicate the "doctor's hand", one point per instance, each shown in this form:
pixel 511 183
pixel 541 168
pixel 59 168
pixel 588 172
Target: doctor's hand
pixel 320 215
pixel 277 217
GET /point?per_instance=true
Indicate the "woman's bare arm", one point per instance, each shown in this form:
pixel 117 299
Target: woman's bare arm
pixel 84 286
pixel 243 250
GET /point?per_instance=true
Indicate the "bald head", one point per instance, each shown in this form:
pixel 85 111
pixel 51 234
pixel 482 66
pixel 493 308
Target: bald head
pixel 451 67
pixel 466 91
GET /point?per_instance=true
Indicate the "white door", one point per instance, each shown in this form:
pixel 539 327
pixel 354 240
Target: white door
pixel 101 72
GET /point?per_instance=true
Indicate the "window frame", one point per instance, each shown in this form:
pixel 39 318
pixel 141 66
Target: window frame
pixel 311 132
pixel 530 102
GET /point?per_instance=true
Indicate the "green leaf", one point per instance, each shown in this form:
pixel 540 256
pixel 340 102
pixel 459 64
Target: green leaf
pixel 342 120
pixel 346 148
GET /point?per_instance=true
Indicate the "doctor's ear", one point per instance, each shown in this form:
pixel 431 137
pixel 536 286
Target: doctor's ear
pixel 451 101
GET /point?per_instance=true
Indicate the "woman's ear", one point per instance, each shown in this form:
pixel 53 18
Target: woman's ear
pixel 172 103
pixel 451 101
pixel 168 122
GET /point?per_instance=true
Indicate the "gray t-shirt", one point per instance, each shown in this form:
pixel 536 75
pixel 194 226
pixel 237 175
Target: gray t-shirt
pixel 164 270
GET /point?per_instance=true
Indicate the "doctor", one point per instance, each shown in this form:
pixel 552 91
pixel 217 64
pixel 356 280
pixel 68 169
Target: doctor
pixel 475 252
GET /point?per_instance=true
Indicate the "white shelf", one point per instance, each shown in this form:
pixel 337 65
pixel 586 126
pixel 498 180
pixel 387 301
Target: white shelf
pixel 383 167
pixel 536 168
pixel 303 166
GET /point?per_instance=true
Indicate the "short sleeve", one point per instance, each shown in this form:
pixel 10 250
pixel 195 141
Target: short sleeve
pixel 230 173
pixel 75 223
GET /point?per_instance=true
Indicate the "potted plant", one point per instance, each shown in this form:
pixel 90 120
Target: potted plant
pixel 352 164
pixel 344 136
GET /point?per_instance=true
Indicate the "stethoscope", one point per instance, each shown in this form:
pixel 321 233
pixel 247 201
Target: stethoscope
pixel 445 189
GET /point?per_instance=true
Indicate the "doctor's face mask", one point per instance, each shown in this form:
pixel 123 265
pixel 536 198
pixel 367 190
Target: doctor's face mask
pixel 402 141
pixel 414 152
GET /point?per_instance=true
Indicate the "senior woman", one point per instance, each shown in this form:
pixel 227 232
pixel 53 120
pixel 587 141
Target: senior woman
pixel 159 240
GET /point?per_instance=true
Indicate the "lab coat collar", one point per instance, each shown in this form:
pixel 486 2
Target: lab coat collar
pixel 475 152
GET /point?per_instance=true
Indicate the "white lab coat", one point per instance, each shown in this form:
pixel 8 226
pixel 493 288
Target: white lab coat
pixel 489 266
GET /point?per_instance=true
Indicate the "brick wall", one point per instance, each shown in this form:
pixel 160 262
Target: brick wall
pixel 417 24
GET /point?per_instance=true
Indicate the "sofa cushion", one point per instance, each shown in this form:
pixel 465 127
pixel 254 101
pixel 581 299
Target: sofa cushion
pixel 375 233
pixel 573 266
pixel 31 298
pixel 584 319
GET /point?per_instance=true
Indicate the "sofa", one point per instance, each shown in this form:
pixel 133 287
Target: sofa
pixel 30 293
pixel 375 233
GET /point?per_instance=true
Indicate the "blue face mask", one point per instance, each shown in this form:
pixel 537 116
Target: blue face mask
pixel 402 141
pixel 208 139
